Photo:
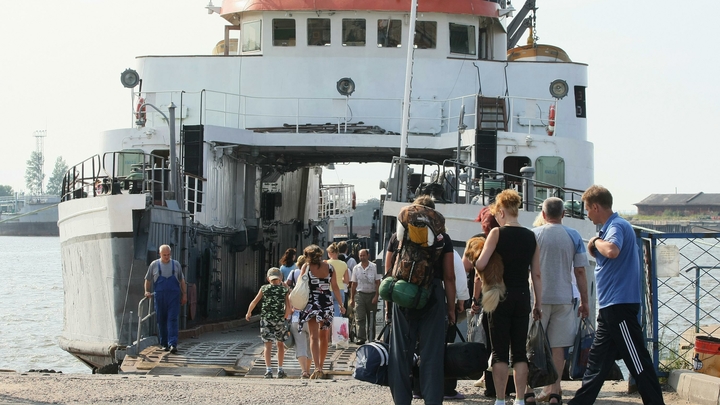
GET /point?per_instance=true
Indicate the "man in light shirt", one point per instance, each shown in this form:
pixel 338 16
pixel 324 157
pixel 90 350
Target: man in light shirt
pixel 364 293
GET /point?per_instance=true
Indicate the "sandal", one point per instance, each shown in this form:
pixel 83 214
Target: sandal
pixel 305 375
pixel 529 395
pixel 556 397
pixel 545 396
pixel 317 375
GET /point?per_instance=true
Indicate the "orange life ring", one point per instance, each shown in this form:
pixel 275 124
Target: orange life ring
pixel 140 110
pixel 551 120
pixel 353 200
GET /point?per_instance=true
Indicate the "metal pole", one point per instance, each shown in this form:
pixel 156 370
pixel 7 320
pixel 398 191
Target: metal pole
pixel 173 164
pixel 408 78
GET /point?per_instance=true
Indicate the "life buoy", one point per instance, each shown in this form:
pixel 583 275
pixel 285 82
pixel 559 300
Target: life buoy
pixel 353 200
pixel 551 120
pixel 140 110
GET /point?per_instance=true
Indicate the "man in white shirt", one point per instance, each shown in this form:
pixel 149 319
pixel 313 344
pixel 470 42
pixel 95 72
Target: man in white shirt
pixel 364 293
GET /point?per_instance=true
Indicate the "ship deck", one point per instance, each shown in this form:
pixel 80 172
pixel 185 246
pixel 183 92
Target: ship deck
pixel 233 349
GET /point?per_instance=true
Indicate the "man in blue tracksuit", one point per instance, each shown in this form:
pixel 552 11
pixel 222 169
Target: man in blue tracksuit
pixel 619 281
pixel 165 278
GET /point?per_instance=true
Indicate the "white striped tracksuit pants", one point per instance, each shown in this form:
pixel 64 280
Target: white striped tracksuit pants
pixel 619 336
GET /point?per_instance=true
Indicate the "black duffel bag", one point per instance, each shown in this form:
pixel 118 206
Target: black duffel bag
pixel 464 360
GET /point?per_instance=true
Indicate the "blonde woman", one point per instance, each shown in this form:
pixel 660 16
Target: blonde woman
pixel 318 314
pixel 509 322
pixel 341 272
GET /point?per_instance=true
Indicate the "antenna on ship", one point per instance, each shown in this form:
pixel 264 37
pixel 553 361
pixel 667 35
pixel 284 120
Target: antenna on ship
pixel 40 153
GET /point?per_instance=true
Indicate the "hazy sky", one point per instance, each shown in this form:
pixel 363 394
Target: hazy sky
pixel 652 92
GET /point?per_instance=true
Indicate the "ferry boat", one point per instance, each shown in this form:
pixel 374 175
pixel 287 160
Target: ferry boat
pixel 29 215
pixel 225 160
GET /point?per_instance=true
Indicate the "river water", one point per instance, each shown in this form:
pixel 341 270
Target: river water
pixel 31 306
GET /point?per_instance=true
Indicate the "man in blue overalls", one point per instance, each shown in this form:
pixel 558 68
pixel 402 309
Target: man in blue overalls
pixel 168 284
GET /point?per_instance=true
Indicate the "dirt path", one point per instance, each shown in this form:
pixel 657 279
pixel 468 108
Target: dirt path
pixel 103 389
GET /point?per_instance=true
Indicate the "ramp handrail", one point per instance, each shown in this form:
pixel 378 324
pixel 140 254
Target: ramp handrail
pixel 142 319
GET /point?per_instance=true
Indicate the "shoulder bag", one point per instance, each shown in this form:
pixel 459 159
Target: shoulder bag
pixel 300 294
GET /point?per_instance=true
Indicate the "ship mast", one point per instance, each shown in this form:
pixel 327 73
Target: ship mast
pixel 402 167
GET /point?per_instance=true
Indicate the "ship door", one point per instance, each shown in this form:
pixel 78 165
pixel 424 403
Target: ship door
pixel 550 170
pixel 512 166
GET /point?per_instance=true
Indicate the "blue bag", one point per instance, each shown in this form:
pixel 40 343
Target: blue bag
pixel 372 359
pixel 581 350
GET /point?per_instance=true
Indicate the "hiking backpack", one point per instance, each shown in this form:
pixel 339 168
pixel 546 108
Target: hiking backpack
pixel 420 237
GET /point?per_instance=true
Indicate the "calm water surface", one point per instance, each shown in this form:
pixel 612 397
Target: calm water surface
pixel 31 306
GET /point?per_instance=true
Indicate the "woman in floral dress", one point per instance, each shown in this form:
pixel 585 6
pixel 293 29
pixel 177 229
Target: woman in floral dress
pixel 318 314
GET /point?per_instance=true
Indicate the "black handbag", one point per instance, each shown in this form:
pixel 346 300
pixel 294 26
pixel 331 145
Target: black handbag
pixel 464 360
pixel 541 369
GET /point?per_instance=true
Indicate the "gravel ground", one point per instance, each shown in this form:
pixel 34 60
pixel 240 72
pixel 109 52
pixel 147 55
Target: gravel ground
pixel 34 388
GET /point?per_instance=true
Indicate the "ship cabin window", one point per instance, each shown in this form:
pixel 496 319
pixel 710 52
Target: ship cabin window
pixel 425 35
pixel 580 102
pixel 318 31
pixel 550 171
pixel 389 33
pixel 283 32
pixel 353 32
pixel 251 36
pixel 462 39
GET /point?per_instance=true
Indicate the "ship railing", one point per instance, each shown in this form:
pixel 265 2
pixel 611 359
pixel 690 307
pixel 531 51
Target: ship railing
pixel 338 114
pixel 343 114
pixel 336 200
pixel 142 318
pixel 531 115
pixel 194 194
pixel 458 182
pixel 486 184
pixel 79 181
pixel 123 172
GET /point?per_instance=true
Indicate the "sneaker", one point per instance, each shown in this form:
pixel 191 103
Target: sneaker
pixel 165 348
pixel 417 396
pixel 268 374
pixel 457 396
pixel 173 349
pixel 281 374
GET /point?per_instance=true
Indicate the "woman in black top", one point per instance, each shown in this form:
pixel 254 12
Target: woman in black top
pixel 509 322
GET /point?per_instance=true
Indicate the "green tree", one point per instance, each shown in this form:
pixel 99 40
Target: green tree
pixel 54 186
pixel 6 190
pixel 34 173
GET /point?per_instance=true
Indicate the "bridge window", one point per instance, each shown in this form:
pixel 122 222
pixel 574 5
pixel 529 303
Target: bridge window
pixel 353 32
pixel 389 33
pixel 462 39
pixel 426 35
pixel 251 36
pixel 283 32
pixel 318 31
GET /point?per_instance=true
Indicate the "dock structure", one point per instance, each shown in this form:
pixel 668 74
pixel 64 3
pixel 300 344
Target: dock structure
pixel 236 351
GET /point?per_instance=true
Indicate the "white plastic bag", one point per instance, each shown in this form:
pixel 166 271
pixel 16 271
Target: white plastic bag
pixel 475 330
pixel 340 332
